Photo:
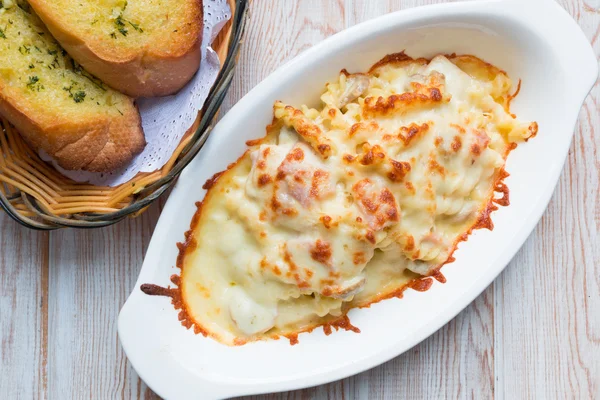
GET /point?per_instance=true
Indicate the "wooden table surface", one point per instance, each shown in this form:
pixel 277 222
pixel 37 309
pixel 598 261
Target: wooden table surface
pixel 534 333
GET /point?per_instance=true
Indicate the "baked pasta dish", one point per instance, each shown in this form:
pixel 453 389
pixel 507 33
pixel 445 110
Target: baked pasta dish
pixel 350 203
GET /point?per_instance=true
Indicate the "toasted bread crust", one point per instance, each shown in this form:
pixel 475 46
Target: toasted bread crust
pixel 102 144
pixel 56 105
pixel 147 71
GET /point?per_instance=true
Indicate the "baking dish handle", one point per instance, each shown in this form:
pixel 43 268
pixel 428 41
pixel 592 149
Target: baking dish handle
pixel 573 49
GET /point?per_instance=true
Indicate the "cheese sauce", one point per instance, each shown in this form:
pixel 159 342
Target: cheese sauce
pixel 345 205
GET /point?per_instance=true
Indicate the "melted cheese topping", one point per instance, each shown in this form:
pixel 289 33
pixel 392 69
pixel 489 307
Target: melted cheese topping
pixel 344 205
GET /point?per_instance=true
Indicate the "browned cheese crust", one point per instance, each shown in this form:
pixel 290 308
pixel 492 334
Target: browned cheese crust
pixel 372 156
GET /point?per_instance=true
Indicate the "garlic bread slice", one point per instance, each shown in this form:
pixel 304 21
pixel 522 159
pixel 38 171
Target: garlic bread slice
pixel 55 104
pixel 142 48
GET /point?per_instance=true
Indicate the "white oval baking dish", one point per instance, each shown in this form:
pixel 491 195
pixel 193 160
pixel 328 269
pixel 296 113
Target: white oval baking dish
pixel 534 40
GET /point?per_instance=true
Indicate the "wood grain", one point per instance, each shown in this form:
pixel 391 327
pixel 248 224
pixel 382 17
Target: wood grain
pixel 91 274
pixel 23 310
pixel 534 333
pixel 276 34
pixel 548 299
pixel 552 327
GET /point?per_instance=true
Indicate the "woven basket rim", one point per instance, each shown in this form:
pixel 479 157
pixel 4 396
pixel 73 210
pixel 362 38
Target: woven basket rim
pixel 30 207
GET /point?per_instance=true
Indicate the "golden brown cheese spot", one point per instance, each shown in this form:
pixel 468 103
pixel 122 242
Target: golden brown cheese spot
pixel 359 258
pixel 263 234
pixel 299 176
pixel 264 179
pixel 334 274
pixel 275 204
pixel 386 197
pixel 429 192
pixel 261 165
pixel 370 237
pixel 266 152
pixel 303 182
pixel 254 142
pixel 308 273
pixel 399 102
pixel 435 93
pixel 379 206
pixel 372 155
pixel 459 128
pixel 287 257
pixel 409 133
pixel 424 95
pixel 410 187
pixel 321 252
pixel 433 85
pixel 409 245
pixel 289 212
pixel 280 175
pixel 295 155
pixel 308 130
pixel 332 112
pixel 302 284
pixel 481 142
pixel 327 282
pixel 368 128
pixel 263 263
pixel 348 158
pixel 438 141
pixel 262 216
pixel 456 144
pixel 324 149
pixel 319 182
pixel 326 220
pixel 399 170
pixel 435 167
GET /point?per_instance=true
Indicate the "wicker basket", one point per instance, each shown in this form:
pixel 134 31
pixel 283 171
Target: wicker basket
pixel 37 196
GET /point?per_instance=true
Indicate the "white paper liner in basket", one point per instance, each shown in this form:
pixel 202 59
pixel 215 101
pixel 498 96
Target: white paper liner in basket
pixel 166 119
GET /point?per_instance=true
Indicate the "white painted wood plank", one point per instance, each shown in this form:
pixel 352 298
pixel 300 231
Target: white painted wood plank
pixel 277 32
pixel 91 274
pixel 549 297
pixel 23 302
pixel 548 300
